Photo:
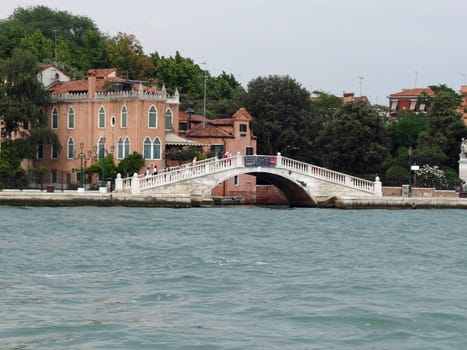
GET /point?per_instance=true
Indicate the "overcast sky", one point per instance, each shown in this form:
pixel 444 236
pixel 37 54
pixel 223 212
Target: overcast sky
pixel 376 47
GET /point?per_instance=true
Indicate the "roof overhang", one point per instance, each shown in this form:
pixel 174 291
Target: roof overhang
pixel 174 139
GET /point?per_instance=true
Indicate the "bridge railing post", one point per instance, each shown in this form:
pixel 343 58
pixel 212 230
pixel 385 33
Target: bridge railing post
pixel 135 188
pixel 238 161
pixel 378 187
pixel 119 183
pixel 279 160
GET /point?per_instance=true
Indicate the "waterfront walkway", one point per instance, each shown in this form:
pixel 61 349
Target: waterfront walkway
pixel 96 198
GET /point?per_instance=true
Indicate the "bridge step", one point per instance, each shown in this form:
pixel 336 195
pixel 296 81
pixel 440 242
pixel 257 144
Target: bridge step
pixel 234 200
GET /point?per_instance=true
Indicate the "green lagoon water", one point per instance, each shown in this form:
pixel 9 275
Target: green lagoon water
pixel 232 278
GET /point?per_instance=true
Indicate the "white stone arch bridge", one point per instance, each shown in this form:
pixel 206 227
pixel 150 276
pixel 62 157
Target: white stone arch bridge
pixel 303 184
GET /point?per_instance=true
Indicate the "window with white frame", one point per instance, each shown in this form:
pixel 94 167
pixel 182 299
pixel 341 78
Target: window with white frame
pixel 124 117
pixel 120 148
pixel 152 117
pixel 54 118
pixel 126 151
pixel 54 152
pixel 40 151
pixel 168 119
pixel 156 149
pixel 147 146
pixel 54 176
pixel 101 148
pixel 70 148
pixel 101 118
pixel 71 118
pixel 152 148
pixel 123 148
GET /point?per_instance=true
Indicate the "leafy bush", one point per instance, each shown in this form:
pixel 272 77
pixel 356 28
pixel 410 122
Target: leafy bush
pixel 431 176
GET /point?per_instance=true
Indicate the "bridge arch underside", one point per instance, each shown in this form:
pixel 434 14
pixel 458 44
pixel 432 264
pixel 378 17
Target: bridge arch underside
pixel 295 193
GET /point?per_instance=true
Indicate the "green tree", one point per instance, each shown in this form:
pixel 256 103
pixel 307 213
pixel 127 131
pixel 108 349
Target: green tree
pixel 445 127
pixel 22 95
pixel 78 41
pixel 39 45
pixel 130 164
pixel 354 140
pixel 11 173
pixel 223 92
pixel 107 164
pixel 324 104
pixel 281 110
pixel 179 73
pixel 405 130
pixel 126 54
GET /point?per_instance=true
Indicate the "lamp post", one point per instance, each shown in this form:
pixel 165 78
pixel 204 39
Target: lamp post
pixel 100 150
pixel 82 157
pixel 205 76
pixel 409 194
pixel 103 162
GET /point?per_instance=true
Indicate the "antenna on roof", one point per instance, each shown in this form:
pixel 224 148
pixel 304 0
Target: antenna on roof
pixel 360 83
pixel 55 43
pixel 416 77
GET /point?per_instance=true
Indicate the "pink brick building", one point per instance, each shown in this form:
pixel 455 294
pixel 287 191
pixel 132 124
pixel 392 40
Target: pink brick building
pixel 104 113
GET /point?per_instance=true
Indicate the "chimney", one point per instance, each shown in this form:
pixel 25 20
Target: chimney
pixel 91 84
pixel 348 97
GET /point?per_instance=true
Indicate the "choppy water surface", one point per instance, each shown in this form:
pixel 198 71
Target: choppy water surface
pixel 232 278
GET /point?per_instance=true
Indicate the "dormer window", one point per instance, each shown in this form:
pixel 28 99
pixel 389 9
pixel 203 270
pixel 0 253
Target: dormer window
pixel 243 128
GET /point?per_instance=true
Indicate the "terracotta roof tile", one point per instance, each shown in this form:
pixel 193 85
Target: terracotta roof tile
pixel 224 121
pixel 209 131
pixel 75 86
pixel 413 92
pixel 102 73
pixel 243 114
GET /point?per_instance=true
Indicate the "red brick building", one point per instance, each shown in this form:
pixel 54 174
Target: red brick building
pixel 104 113
pixel 408 100
pixel 229 135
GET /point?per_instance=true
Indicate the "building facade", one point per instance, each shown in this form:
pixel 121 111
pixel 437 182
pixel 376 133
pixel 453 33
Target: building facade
pixel 408 100
pixel 225 137
pixel 463 109
pixel 104 113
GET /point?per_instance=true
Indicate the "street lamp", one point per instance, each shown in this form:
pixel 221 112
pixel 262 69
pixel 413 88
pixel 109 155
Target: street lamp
pixel 100 150
pixel 409 194
pixel 82 156
pixel 204 96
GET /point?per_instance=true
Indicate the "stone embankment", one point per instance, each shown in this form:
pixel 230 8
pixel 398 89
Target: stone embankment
pixel 95 198
pixel 400 203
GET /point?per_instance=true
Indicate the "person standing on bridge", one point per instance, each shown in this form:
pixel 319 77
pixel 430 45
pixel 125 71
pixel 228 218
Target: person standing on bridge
pixel 154 170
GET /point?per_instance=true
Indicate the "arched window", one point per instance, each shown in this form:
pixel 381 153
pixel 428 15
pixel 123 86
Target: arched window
pixel 124 117
pixel 101 117
pixel 152 117
pixel 168 119
pixel 156 149
pixel 53 152
pixel 101 148
pixel 127 147
pixel 54 118
pixel 147 148
pixel 120 151
pixel 70 148
pixel 71 118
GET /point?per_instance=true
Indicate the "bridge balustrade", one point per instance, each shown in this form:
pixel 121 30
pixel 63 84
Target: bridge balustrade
pixel 213 165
